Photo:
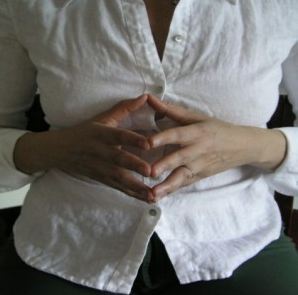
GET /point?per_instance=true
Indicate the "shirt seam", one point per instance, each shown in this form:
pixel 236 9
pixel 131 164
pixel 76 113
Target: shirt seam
pixel 186 38
pixel 131 46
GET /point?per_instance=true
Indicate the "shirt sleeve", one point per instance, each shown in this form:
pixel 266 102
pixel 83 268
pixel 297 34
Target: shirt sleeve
pixel 285 178
pixel 17 89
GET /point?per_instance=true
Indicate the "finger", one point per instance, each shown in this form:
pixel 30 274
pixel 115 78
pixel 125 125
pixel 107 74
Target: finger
pixel 204 166
pixel 121 110
pixel 120 136
pixel 209 164
pixel 178 135
pixel 175 159
pixel 125 181
pixel 146 196
pixel 177 113
pixel 117 177
pixel 173 182
pixel 122 158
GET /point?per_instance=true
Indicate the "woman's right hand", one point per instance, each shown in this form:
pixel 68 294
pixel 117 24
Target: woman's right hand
pixel 92 149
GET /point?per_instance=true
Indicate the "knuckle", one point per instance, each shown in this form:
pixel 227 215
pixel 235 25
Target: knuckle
pixel 107 179
pixel 169 190
pixel 123 137
pixel 187 173
pixel 136 167
pixel 118 175
pixel 181 158
pixel 117 157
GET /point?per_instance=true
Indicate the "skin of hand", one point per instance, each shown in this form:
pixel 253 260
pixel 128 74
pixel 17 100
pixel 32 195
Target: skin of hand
pixel 208 146
pixel 92 149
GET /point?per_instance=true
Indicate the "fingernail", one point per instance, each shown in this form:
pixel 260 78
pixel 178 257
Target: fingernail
pixel 151 198
pixel 142 96
pixel 147 145
pixel 146 171
pixel 151 201
pixel 156 172
pixel 154 143
pixel 143 144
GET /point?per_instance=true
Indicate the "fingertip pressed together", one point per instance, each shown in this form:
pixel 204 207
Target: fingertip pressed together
pixel 155 171
pixel 156 104
pixel 144 144
pixel 151 199
pixel 158 193
pixel 146 170
pixel 142 97
pixel 153 141
pixel 139 101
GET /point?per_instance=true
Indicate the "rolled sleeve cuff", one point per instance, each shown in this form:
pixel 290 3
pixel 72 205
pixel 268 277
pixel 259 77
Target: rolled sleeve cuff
pixel 285 178
pixel 10 177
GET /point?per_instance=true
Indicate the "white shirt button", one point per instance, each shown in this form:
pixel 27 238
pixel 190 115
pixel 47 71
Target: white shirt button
pixel 156 90
pixel 159 89
pixel 153 212
pixel 178 38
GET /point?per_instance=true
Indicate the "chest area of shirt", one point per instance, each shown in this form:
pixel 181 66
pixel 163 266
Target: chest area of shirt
pixel 92 54
pixel 157 35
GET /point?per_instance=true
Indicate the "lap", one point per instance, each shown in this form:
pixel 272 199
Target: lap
pixel 19 278
pixel 274 271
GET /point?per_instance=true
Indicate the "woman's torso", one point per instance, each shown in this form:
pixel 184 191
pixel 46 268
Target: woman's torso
pixel 219 58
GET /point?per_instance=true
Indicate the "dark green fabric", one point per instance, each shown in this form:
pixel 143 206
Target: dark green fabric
pixel 273 271
pixel 156 271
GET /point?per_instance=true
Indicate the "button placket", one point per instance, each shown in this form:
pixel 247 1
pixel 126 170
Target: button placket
pixel 142 42
pixel 178 38
pixel 127 273
pixel 152 212
pixel 158 89
pixel 175 45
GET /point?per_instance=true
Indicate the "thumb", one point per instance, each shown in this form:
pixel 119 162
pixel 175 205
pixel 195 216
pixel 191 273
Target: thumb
pixel 121 110
pixel 177 113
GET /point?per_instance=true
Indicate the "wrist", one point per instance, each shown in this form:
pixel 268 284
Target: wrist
pixel 271 149
pixel 32 152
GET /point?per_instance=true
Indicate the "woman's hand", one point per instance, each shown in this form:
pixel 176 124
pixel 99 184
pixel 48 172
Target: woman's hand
pixel 209 146
pixel 92 149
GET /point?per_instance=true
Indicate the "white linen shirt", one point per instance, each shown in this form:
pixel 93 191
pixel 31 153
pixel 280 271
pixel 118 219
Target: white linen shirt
pixel 225 58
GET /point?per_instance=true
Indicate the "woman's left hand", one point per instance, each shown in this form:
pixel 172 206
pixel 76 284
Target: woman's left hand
pixel 208 146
